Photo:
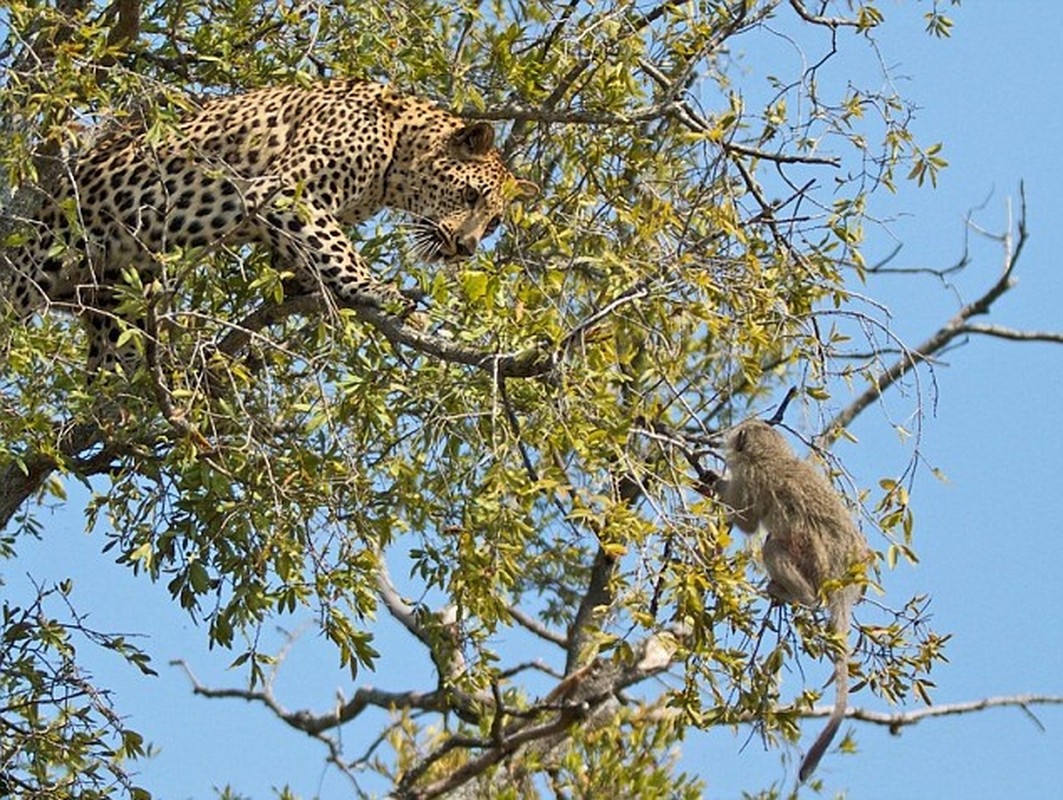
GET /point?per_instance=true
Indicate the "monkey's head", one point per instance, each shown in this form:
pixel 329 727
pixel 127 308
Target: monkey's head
pixel 754 441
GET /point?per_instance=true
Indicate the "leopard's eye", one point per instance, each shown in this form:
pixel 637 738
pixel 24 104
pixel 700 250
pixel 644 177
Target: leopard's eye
pixel 472 195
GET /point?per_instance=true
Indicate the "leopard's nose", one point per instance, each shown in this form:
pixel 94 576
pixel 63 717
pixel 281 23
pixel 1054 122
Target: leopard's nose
pixel 465 246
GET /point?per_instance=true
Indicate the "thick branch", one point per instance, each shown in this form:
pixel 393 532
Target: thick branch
pixel 476 766
pixel 520 113
pixel 399 609
pixel 522 364
pixel 439 633
pixel 22 478
pixel 598 595
pixel 126 26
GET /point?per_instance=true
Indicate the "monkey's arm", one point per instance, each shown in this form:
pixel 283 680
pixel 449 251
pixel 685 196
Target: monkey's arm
pixel 707 481
pixel 740 507
pixel 712 484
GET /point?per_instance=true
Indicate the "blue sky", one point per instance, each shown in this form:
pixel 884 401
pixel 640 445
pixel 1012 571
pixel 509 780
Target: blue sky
pixel 989 538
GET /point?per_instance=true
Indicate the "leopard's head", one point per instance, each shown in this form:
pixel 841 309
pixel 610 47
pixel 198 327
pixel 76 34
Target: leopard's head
pixel 457 196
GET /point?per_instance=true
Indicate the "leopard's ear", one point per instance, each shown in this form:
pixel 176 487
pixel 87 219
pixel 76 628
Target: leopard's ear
pixel 473 141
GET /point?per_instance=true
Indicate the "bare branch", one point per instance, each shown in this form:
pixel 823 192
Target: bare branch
pixel 900 719
pixel 882 268
pixel 830 22
pixel 781 158
pixel 1011 334
pixel 958 326
pixel 533 625
pixel 316 724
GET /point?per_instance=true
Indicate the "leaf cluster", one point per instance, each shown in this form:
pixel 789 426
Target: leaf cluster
pixel 60 735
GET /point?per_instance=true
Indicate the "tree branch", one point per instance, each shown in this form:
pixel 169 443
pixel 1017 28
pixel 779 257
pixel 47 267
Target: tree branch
pixel 587 693
pixel 1011 334
pixel 126 26
pixel 830 22
pixel 316 724
pixel 525 363
pixel 900 719
pixel 534 626
pixel 598 595
pixel 958 326
pixel 439 632
pixel 25 476
pixel 585 697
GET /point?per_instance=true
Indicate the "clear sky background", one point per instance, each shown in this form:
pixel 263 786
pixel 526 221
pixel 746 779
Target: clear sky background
pixel 990 539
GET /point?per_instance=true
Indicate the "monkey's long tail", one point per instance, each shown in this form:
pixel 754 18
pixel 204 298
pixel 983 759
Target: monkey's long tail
pixel 840 620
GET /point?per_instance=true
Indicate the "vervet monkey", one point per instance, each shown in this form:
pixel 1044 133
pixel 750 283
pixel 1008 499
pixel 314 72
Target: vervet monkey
pixel 811 540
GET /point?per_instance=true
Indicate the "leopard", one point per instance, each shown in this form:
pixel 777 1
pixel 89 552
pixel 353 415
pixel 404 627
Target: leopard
pixel 290 168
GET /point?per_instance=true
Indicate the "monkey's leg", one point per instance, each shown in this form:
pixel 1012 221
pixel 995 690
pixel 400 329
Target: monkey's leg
pixel 788 583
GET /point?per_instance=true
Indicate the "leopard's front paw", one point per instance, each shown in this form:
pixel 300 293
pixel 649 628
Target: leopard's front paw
pixel 418 320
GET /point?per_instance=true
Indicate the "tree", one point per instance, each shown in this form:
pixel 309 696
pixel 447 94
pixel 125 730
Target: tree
pixel 529 461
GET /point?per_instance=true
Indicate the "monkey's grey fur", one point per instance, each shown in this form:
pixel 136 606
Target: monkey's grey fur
pixel 811 539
